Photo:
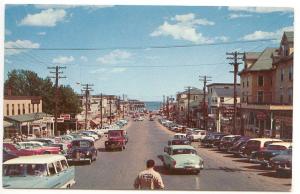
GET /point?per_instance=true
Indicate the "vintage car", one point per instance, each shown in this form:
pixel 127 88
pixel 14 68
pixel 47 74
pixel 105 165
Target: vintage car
pixel 227 141
pixel 197 135
pixel 181 158
pixel 238 146
pixel 81 136
pixel 43 172
pixel 90 134
pixel 179 142
pixel 117 139
pixel 282 163
pixel 213 139
pixel 82 150
pixel 8 155
pixel 263 157
pixel 35 145
pixel 257 144
pixel 179 136
pixel 17 150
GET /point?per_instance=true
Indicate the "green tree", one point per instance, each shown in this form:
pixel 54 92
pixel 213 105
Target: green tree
pixel 27 83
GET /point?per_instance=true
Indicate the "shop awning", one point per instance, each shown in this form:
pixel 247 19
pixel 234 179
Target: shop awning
pixel 26 117
pixel 7 124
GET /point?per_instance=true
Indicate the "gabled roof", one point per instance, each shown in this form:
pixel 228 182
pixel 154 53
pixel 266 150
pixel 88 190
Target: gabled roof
pixel 226 92
pixel 289 35
pixel 252 55
pixel 264 61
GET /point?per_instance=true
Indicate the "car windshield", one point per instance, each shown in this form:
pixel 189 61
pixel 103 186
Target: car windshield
pixel 180 142
pixel 286 152
pixel 115 133
pixel 25 170
pixel 81 144
pixel 184 151
pixel 276 147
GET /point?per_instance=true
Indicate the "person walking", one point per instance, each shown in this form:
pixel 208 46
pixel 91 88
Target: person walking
pixel 149 178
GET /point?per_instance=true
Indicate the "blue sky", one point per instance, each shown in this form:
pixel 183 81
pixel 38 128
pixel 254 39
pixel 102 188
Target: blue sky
pixel 144 73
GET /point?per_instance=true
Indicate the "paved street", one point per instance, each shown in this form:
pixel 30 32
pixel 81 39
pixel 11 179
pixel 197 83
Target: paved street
pixel 117 170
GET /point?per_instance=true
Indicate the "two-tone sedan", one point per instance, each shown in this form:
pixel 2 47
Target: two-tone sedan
pixel 182 158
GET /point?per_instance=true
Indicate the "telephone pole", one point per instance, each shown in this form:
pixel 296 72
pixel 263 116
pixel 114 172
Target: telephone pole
pixel 163 104
pixel 168 111
pixel 235 57
pixel 57 77
pixel 205 79
pixel 86 89
pixel 123 106
pixel 101 116
pixel 188 111
pixel 110 102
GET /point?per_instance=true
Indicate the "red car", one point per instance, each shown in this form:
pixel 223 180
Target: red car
pixel 116 140
pixel 39 147
pixel 15 149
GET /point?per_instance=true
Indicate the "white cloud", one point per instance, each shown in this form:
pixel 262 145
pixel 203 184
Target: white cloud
pixel 7 32
pixel 261 9
pixel 234 16
pixel 19 44
pixel 100 70
pixel 115 57
pixel 184 28
pixel 46 18
pixel 257 35
pixel 118 70
pixel 63 59
pixel 84 58
pixel 41 33
pixel 7 61
pixel 60 6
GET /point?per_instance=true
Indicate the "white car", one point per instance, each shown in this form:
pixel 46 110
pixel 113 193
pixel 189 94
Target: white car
pixel 180 136
pixel 197 135
pixel 89 134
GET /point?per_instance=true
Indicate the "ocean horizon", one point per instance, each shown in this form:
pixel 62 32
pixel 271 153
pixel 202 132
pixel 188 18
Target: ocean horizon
pixel 153 105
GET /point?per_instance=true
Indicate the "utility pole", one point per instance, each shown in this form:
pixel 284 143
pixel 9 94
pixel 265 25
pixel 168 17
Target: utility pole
pixel 87 89
pixel 101 116
pixel 57 77
pixel 164 104
pixel 235 57
pixel 205 79
pixel 123 106
pixel 109 109
pixel 168 111
pixel 188 111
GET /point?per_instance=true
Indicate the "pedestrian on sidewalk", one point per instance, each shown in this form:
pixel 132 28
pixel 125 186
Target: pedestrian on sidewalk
pixel 149 178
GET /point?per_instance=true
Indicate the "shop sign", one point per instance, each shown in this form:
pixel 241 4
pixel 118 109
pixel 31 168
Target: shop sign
pixel 66 117
pixel 48 119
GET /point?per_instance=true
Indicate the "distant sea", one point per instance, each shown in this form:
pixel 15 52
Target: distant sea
pixel 151 106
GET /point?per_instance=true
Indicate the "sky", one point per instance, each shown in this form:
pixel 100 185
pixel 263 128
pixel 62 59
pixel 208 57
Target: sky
pixel 115 47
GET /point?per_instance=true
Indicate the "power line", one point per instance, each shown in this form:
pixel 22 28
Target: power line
pixel 205 79
pixel 142 47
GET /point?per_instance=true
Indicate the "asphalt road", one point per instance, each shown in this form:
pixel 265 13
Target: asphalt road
pixel 117 170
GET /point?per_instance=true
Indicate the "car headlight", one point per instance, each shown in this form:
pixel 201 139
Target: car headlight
pixel 87 153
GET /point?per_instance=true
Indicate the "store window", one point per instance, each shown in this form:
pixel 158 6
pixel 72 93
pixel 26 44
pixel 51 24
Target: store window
pixel 23 106
pixel 260 97
pixel 19 109
pixel 13 109
pixel 7 110
pixel 291 73
pixel 29 109
pixel 260 80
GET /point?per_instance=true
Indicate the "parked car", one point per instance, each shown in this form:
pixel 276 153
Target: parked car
pixel 8 155
pixel 238 146
pixel 217 139
pixel 82 150
pixel 257 144
pixel 36 145
pixel 44 172
pixel 179 136
pixel 17 150
pixel 181 158
pixel 179 142
pixel 81 136
pixel 263 157
pixel 282 163
pixel 197 135
pixel 89 134
pixel 227 141
pixel 207 141
pixel 117 139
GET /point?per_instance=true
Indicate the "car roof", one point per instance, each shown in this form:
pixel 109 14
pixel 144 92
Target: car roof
pixel 36 159
pixel 231 135
pixel 182 147
pixel 286 144
pixel 83 140
pixel 179 134
pixel 264 139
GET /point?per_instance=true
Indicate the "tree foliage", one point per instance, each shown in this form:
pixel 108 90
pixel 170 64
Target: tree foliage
pixel 27 83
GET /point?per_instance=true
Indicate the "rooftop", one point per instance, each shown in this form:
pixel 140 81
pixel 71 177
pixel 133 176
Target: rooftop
pixel 289 35
pixel 227 92
pixel 36 159
pixel 27 117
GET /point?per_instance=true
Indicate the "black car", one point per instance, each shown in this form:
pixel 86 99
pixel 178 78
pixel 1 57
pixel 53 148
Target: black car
pixel 179 142
pixel 82 150
pixel 8 155
pixel 282 163
pixel 227 142
pixel 207 140
pixel 238 146
pixel 217 139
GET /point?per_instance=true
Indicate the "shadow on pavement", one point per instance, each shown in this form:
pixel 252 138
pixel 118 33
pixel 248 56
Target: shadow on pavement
pixel 81 163
pixel 244 160
pixel 164 171
pixel 104 150
pixel 232 156
pixel 256 167
pixel 274 174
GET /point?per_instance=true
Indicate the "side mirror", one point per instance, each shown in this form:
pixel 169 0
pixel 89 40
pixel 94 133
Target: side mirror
pixel 165 149
pixel 160 157
pixel 169 142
